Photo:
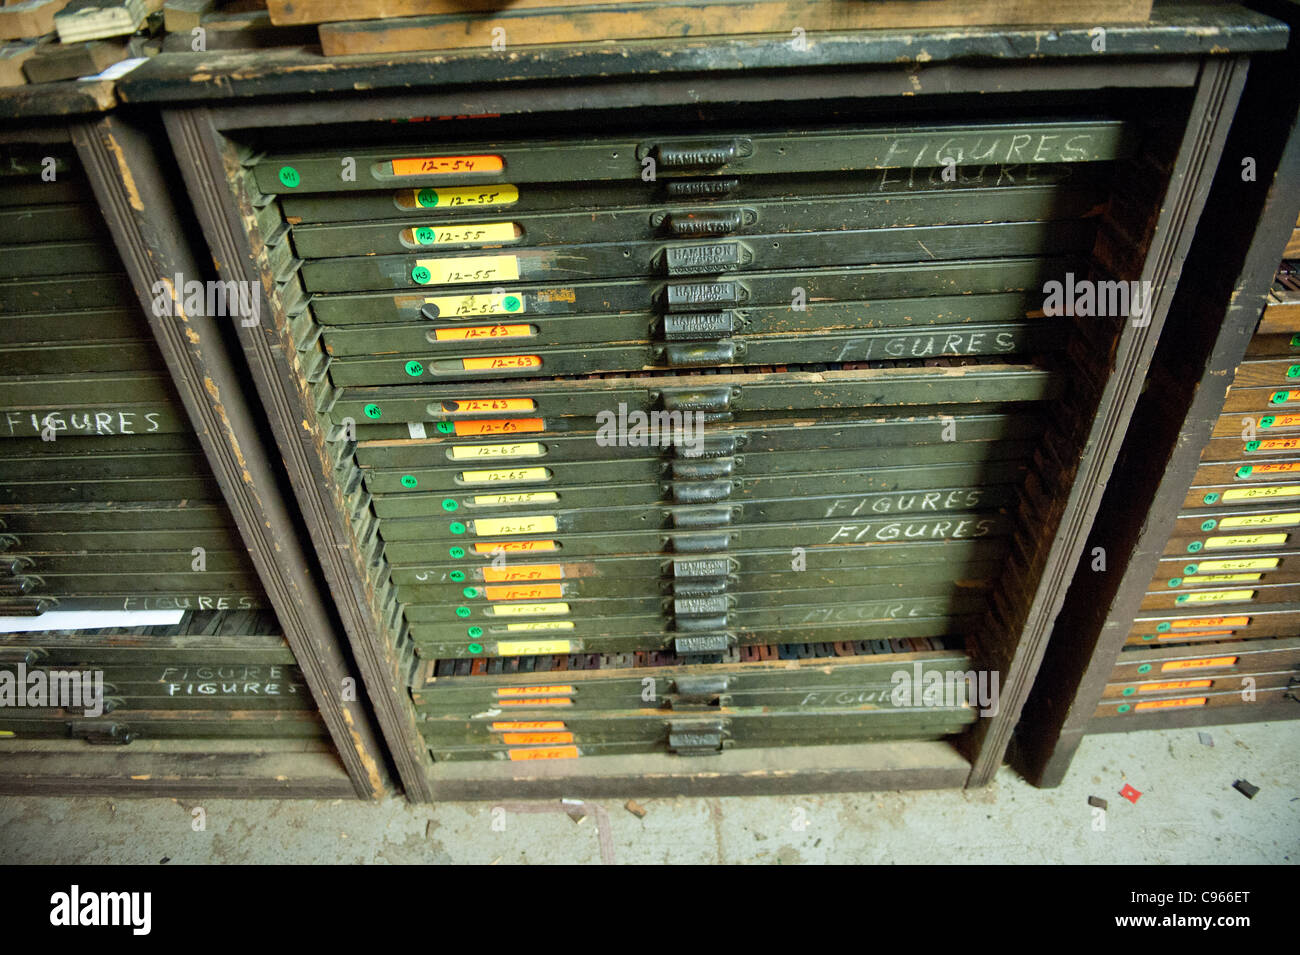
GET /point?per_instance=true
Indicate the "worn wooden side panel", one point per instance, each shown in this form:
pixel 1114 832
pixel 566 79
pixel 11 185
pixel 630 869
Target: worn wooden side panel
pixel 135 198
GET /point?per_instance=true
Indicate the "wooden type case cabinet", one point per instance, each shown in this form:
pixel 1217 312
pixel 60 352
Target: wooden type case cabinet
pixel 111 501
pixel 629 431
pixel 1194 621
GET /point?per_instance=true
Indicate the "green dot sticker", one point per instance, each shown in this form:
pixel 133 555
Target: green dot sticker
pixel 1243 472
pixel 1175 581
pixel 475 647
pixel 414 369
pixel 421 276
pixel 1293 371
pixel 512 303
pixel 470 592
pixel 457 527
pixel 372 411
pixel 1252 446
pixel 1148 636
pixel 1130 690
pixel 1144 668
pixel 1123 708
pixel 1295 341
pixel 1194 547
pixel 1181 599
pixel 457 575
pixel 1191 569
pixel 289 176
pixel 1267 421
pixel 1164 627
pixel 475 632
pixel 463 611
pixel 1209 525
pixel 424 236
pixel 409 480
pixel 1279 398
pixel 427 198
pixel 449 504
pixel 1211 498
pixel 457 552
pixel 446 427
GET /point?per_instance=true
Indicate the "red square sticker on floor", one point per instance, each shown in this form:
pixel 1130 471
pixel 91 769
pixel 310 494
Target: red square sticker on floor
pixel 1129 793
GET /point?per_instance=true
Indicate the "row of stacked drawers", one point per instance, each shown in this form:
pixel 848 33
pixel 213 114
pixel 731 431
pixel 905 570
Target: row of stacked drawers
pixel 856 321
pixel 1218 625
pixel 107 502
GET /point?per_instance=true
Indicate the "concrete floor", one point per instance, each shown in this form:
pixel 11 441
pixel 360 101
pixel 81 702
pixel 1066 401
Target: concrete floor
pixel 1188 813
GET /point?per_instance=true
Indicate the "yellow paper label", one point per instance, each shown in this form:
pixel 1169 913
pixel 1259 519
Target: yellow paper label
pixel 472 306
pixel 1276 444
pixel 505 474
pixel 446 165
pixel 533 690
pixel 462 452
pixel 1245 563
pixel 545 752
pixel 492 526
pixel 1169 704
pixel 538 626
pixel 526 497
pixel 1174 685
pixel 485 232
pixel 500 362
pixel 1261 493
pixel 459 197
pixel 491 547
pixel 1198 623
pixel 493 575
pixel 1246 540
pixel 1261 520
pixel 476 333
pixel 1215 596
pixel 482 426
pixel 529 610
pixel 523 592
pixel 6 733
pixel 482 405
pixel 464 269
pixel 531 648
pixel 1222 578
pixel 532 739
pixel 1199 664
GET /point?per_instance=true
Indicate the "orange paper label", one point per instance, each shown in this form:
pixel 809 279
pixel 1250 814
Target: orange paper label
pixel 1174 685
pixel 1184 634
pixel 1276 468
pixel 482 331
pixel 445 165
pixel 480 405
pixel 529 726
pixel 523 572
pixel 1198 664
pixel 538 701
pixel 533 690
pixel 1170 704
pixel 534 739
pixel 1192 624
pixel 1285 421
pixel 1278 444
pixel 487 547
pixel 501 361
pixel 500 426
pixel 548 752
pixel 533 592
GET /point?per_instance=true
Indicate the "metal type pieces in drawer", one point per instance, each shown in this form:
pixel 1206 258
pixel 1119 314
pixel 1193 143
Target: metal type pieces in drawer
pixel 427 230
pixel 676 156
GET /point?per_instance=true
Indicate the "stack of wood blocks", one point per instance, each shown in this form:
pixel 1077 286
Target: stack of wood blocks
pixel 44 41
pixel 398 26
